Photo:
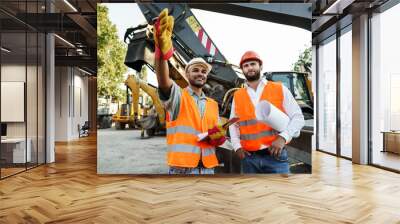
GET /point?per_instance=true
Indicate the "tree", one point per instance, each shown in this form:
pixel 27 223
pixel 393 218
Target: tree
pixel 110 58
pixel 143 74
pixel 303 63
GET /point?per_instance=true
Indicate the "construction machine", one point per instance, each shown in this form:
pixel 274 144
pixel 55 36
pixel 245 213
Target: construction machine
pixel 191 40
pixel 105 111
pixel 126 113
pixel 152 122
pixel 299 85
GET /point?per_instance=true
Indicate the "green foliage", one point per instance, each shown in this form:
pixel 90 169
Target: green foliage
pixel 110 58
pixel 303 63
pixel 143 74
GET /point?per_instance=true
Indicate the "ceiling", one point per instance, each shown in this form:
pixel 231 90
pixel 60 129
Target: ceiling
pixel 73 21
pixel 332 15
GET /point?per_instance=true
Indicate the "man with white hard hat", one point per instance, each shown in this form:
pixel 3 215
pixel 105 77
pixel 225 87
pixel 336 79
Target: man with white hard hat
pixel 189 111
pixel 260 145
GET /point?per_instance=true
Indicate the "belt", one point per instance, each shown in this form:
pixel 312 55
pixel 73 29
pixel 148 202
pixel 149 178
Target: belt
pixel 267 151
pixel 261 152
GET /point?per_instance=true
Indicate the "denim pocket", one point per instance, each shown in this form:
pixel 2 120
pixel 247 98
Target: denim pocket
pixel 283 157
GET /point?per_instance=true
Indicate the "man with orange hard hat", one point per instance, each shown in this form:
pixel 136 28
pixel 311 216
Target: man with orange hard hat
pixel 189 111
pixel 260 147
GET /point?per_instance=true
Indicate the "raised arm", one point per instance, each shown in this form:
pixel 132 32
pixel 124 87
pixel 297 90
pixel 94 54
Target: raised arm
pixel 163 50
pixel 162 72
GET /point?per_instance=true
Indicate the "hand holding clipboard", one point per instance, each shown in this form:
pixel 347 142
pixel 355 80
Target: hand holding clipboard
pixel 205 135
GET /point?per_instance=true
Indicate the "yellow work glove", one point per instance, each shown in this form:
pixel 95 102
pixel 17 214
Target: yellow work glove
pixel 217 135
pixel 163 35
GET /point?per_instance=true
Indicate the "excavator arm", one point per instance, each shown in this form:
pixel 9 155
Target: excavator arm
pixel 134 87
pixel 135 84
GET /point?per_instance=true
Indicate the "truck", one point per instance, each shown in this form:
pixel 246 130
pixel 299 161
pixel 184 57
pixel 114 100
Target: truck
pixel 105 111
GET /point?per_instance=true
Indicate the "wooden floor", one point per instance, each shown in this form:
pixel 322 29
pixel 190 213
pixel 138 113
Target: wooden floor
pixel 387 159
pixel 10 171
pixel 70 191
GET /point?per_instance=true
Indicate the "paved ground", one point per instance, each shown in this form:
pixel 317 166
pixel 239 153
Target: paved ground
pixel 124 152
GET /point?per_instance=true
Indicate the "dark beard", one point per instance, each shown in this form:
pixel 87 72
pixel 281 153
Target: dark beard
pixel 253 78
pixel 193 83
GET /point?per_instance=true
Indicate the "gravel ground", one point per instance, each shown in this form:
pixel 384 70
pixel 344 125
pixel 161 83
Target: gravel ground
pixel 124 152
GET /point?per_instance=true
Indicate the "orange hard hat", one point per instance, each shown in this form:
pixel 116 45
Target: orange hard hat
pixel 250 55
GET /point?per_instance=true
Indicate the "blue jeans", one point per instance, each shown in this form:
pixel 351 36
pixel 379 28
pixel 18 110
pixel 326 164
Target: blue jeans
pixel 197 170
pixel 266 163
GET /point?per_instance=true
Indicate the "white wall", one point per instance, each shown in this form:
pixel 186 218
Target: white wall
pixel 71 102
pixel 12 73
pixel 50 95
pixel 61 103
pixel 314 90
pixel 33 127
pixel 81 101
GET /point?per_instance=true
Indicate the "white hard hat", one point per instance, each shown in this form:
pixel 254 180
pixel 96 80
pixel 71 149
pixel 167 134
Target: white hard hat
pixel 198 61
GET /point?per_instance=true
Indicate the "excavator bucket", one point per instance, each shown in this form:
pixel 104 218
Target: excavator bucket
pixel 139 52
pixel 149 122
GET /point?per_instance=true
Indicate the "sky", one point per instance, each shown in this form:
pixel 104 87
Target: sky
pixel 278 45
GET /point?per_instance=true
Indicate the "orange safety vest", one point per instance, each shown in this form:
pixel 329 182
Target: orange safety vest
pixel 184 150
pixel 253 133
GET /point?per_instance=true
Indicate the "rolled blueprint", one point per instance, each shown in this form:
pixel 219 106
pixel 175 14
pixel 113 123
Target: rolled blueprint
pixel 272 116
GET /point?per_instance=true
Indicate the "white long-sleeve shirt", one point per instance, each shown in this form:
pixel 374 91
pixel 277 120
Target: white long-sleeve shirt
pixel 290 106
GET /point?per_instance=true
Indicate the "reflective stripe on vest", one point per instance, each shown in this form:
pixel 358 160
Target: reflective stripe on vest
pixel 253 133
pixel 258 135
pixel 191 149
pixel 182 129
pixel 247 122
pixel 208 151
pixel 184 150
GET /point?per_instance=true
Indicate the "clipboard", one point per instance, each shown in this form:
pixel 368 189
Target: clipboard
pixel 203 136
pixel 230 122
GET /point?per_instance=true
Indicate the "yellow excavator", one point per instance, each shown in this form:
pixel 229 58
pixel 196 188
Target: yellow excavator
pixel 153 121
pixel 124 116
pixel 129 113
